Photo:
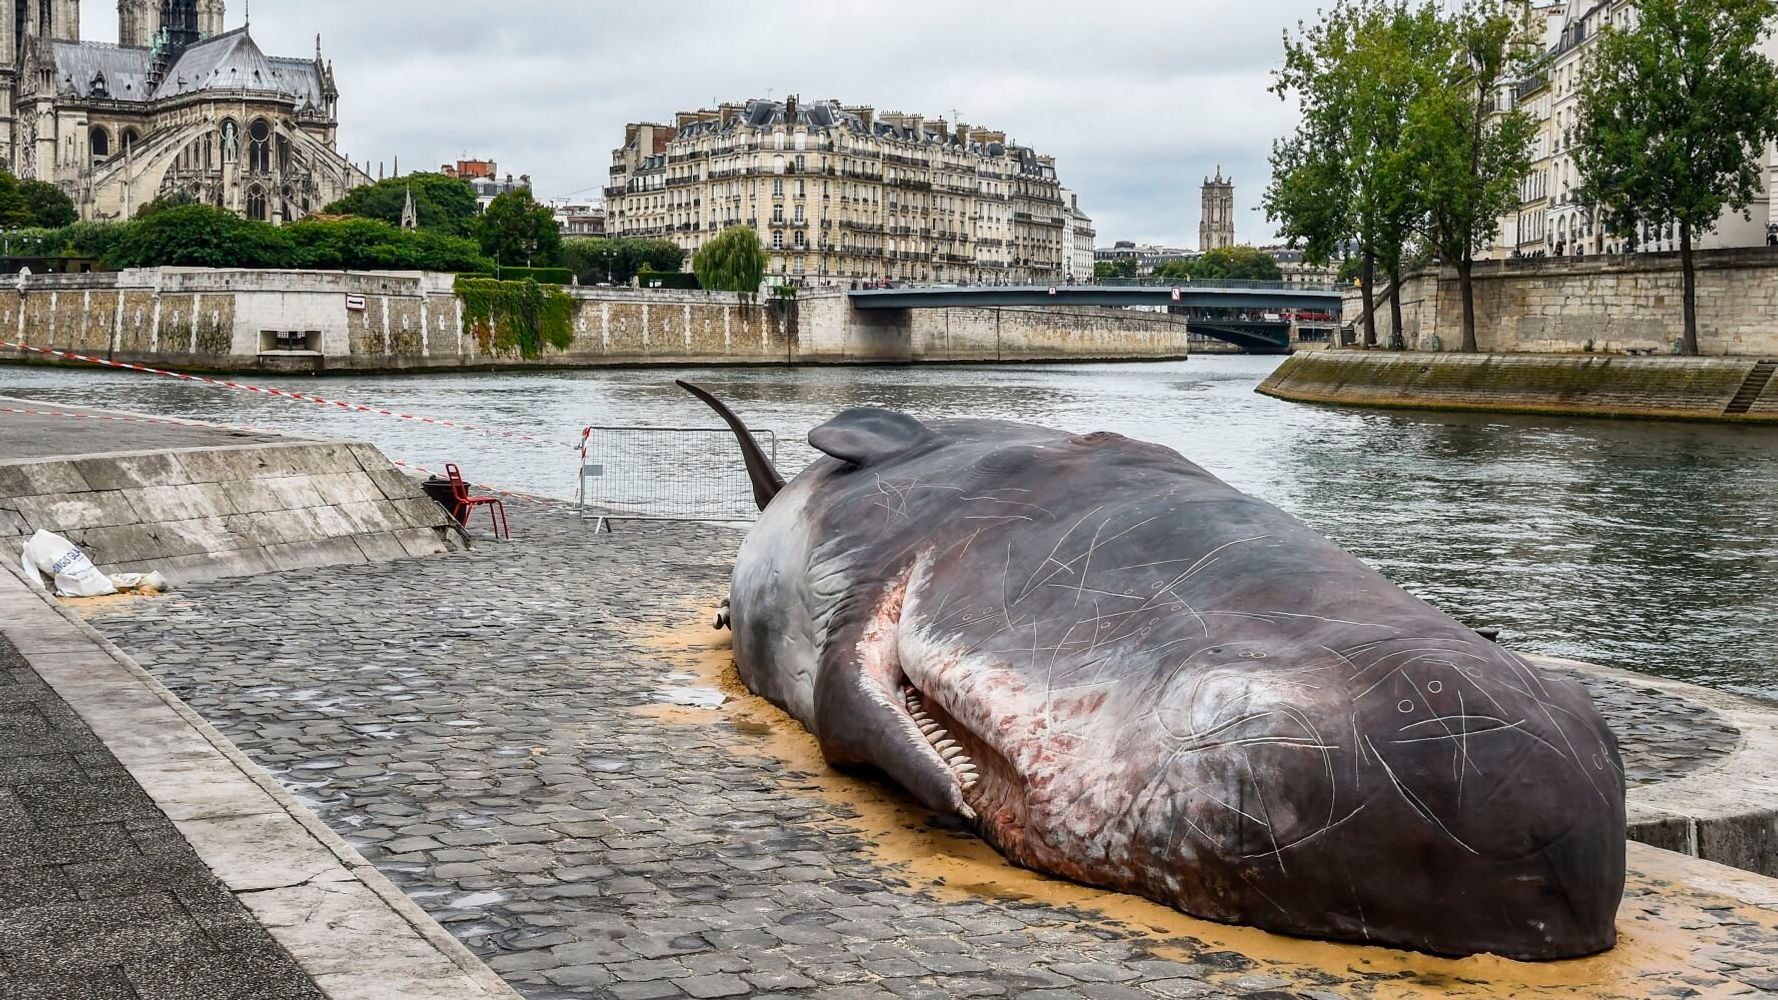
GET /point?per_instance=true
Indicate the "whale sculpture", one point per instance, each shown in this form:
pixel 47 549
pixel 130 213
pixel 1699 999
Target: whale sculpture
pixel 1122 671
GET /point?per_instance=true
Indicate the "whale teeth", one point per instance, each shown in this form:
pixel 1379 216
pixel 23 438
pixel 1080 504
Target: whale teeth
pixel 942 745
pixel 951 754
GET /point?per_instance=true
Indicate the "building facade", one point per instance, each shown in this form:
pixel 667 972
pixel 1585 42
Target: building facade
pixel 1146 258
pixel 1216 219
pixel 1077 240
pixel 1551 219
pixel 484 177
pixel 177 107
pixel 842 194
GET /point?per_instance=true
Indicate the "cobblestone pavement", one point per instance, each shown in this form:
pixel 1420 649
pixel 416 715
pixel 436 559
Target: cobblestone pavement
pixel 1661 737
pixel 476 725
pixel 100 896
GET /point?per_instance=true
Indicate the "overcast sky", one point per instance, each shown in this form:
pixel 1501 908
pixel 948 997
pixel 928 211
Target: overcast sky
pixel 1137 101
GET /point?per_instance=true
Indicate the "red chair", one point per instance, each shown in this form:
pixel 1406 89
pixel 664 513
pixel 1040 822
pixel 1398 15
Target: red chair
pixel 462 504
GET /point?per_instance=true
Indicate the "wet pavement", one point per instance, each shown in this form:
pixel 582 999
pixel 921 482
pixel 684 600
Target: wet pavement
pixel 523 738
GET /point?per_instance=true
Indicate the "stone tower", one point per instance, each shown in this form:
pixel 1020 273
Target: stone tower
pixel 1217 227
pixel 186 21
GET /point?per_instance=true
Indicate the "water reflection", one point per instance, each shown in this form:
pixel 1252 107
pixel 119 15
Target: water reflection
pixel 1646 545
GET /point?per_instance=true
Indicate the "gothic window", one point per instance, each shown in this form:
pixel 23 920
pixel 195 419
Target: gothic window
pixel 256 203
pixel 259 149
pixel 231 140
pixel 130 138
pixel 283 155
pixel 101 144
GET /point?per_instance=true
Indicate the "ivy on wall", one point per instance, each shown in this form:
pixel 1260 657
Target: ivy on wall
pixel 522 316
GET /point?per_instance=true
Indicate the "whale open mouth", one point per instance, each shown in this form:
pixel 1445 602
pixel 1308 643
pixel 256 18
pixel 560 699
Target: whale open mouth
pixel 943 740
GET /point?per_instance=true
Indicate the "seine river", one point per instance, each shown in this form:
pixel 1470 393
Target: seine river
pixel 1650 546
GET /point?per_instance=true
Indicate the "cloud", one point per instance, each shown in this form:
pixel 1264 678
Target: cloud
pixel 1136 100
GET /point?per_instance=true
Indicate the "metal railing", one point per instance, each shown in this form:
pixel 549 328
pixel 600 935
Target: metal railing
pixel 666 474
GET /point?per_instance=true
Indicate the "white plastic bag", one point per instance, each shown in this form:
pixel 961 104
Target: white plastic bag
pixel 74 574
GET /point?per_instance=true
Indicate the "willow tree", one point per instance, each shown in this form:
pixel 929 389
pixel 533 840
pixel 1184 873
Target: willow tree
pixel 1467 149
pixel 732 262
pixel 1675 112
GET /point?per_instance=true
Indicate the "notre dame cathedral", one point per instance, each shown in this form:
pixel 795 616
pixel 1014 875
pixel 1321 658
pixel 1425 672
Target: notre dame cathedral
pixel 178 106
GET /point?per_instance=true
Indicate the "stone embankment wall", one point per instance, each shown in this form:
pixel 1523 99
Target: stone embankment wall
pixel 202 513
pixel 226 320
pixel 1616 303
pixel 1592 385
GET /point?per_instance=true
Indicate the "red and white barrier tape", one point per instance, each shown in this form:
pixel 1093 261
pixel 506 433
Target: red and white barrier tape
pixel 179 422
pixel 288 394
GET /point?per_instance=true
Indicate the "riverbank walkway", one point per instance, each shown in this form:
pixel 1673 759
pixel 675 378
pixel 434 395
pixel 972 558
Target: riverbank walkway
pixel 538 741
pixel 142 857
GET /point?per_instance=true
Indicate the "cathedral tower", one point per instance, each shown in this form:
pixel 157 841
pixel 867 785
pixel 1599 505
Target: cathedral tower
pixel 186 21
pixel 1216 228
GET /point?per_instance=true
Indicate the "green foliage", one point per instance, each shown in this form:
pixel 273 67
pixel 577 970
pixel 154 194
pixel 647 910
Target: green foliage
pixel 1350 268
pixel 732 262
pixel 34 204
pixel 1237 263
pixel 1173 270
pixel 1468 158
pixel 201 236
pixel 1120 267
pixel 617 260
pixel 48 205
pixel 174 199
pixel 1346 174
pixel 517 230
pixel 541 275
pixel 668 279
pixel 445 204
pixel 370 245
pixel 1675 114
pixel 522 316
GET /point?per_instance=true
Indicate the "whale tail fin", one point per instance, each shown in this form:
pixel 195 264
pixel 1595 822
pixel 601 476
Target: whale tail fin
pixel 766 481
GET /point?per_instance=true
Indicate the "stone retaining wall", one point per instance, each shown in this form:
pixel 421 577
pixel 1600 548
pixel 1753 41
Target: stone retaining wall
pixel 203 513
pixel 1614 303
pixel 231 320
pixel 1591 385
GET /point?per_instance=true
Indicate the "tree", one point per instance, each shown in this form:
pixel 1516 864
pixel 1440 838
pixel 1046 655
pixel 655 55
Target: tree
pixel 1467 157
pixel 172 199
pixel 1675 113
pixel 1236 263
pixel 48 205
pixel 1174 270
pixel 1343 176
pixel 732 262
pixel 202 236
pixel 369 244
pixel 442 203
pixel 1117 267
pixel 14 212
pixel 518 231
pixel 597 261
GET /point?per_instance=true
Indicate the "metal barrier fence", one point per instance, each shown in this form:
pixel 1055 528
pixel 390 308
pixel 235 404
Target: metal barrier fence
pixel 666 474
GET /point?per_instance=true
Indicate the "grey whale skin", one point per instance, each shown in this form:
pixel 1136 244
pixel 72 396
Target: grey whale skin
pixel 1125 672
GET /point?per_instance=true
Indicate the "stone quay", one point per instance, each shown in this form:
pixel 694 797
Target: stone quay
pixel 433 771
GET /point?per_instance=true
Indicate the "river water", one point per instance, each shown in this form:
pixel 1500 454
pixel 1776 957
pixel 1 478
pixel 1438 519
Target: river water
pixel 1645 545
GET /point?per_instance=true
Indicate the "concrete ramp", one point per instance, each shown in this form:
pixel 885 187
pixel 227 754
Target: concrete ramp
pixel 200 503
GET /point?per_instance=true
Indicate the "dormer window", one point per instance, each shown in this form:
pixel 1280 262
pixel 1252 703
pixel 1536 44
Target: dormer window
pixel 97 87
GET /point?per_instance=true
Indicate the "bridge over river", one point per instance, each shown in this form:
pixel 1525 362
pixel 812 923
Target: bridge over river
pixel 1256 316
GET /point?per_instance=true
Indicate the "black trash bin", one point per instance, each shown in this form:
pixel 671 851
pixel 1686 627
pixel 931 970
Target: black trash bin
pixel 440 490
